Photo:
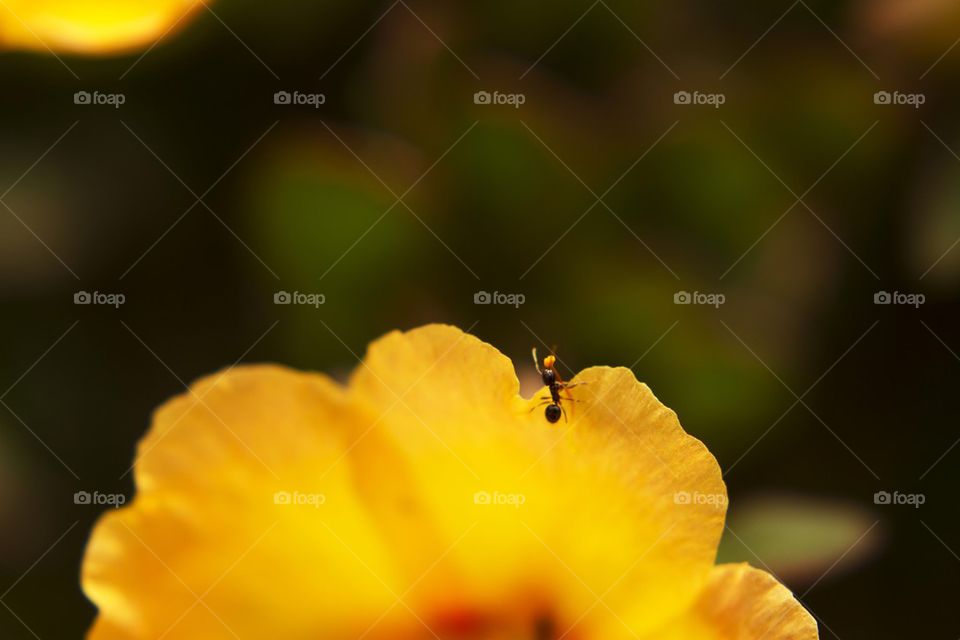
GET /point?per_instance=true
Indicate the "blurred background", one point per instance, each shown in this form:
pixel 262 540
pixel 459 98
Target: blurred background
pixel 756 207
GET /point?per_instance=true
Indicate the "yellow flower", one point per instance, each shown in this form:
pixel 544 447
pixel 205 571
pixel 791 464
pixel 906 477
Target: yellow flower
pixel 424 500
pixel 89 26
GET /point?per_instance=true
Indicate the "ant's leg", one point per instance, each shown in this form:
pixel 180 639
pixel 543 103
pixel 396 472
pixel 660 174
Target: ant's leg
pixel 533 408
pixel 567 396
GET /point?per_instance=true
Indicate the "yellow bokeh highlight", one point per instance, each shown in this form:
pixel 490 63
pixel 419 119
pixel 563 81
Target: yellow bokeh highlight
pixel 91 27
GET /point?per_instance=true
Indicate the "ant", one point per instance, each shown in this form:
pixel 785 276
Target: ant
pixel 555 384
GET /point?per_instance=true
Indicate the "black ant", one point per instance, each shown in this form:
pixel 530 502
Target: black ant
pixel 555 384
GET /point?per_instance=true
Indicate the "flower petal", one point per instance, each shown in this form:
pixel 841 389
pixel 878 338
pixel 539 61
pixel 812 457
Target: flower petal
pixel 89 26
pixel 210 549
pixel 674 498
pixel 743 603
pixel 581 514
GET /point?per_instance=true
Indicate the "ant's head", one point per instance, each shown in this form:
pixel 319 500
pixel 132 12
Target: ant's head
pixel 549 376
pixel 549 373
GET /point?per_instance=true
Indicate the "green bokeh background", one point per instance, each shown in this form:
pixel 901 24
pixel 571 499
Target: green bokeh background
pixel 505 199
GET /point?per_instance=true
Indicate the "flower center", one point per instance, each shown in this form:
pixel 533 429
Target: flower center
pixel 473 624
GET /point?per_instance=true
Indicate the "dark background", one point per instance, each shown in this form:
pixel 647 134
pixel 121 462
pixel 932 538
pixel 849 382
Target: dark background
pixel 700 199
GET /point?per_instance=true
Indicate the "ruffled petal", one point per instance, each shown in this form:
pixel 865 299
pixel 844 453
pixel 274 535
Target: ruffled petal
pixel 247 519
pixel 743 603
pixel 582 515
